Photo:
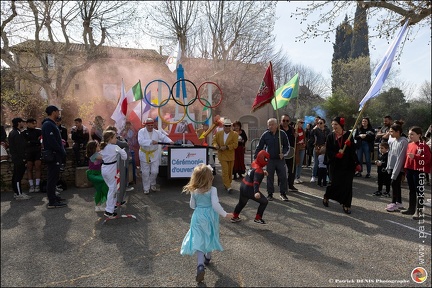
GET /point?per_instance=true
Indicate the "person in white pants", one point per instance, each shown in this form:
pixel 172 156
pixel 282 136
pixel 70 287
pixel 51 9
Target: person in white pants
pixel 149 154
pixel 108 153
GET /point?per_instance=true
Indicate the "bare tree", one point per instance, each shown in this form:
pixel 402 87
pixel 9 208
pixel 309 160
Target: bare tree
pixel 54 26
pixel 171 21
pixel 391 14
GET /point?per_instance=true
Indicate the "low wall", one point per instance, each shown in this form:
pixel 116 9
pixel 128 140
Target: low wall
pixel 72 175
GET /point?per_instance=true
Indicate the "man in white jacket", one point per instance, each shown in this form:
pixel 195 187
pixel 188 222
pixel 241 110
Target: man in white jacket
pixel 149 154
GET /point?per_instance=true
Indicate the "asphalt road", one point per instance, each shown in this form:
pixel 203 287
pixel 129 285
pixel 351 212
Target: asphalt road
pixel 304 243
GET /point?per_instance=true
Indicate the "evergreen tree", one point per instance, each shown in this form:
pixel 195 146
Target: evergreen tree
pixel 360 38
pixel 342 50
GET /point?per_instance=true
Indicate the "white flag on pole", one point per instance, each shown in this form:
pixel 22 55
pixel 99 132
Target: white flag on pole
pixel 383 68
pixel 174 58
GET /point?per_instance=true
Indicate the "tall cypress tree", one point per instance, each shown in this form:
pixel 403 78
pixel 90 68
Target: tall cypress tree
pixel 360 38
pixel 341 50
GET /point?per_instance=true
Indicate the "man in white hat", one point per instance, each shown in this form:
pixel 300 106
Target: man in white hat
pixel 226 142
pixel 149 154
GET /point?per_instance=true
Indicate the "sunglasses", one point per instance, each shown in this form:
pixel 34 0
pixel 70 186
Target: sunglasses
pixel 285 121
pixel 320 122
pixel 227 125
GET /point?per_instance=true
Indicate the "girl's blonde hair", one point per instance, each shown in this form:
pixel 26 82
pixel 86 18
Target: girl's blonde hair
pixel 201 179
pixel 107 136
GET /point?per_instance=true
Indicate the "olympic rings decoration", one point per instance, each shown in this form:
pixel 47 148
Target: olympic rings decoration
pixel 200 122
pixel 167 122
pixel 190 102
pixel 149 102
pixel 199 97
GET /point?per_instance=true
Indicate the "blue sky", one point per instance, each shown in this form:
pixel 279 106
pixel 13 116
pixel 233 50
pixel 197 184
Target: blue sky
pixel 415 61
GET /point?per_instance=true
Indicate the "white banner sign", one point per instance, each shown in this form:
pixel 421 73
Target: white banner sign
pixel 183 160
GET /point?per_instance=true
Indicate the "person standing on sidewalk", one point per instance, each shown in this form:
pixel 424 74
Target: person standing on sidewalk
pixel 417 165
pixel 395 166
pixel 290 132
pixel 32 136
pixel 17 149
pixel 53 146
pixel 276 143
pixel 319 134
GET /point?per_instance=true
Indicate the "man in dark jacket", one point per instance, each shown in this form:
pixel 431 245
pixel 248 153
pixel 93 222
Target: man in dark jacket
pixel 270 142
pixel 52 144
pixel 80 135
pixel 17 149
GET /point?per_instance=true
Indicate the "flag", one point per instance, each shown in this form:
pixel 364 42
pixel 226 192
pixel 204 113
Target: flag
pixel 266 91
pixel 285 93
pixel 119 114
pixel 134 94
pixel 383 68
pixel 174 58
pixel 136 116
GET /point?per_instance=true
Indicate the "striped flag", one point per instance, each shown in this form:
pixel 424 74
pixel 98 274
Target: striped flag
pixel 383 69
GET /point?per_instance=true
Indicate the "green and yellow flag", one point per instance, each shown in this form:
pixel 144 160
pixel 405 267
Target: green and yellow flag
pixel 285 93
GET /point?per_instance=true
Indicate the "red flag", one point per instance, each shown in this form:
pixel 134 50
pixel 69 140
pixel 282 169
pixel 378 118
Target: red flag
pixel 266 91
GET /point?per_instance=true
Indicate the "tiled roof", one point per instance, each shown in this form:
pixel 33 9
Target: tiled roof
pixel 48 46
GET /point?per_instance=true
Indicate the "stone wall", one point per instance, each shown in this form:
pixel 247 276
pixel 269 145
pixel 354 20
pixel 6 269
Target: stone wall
pixel 74 176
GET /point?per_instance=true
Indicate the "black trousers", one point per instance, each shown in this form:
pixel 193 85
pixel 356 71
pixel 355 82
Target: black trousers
pixel 246 193
pixel 322 176
pixel 384 179
pixel 18 173
pixel 291 172
pixel 52 179
pixel 397 189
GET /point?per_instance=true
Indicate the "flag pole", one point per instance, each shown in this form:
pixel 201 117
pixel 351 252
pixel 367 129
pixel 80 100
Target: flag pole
pixel 295 138
pixel 355 125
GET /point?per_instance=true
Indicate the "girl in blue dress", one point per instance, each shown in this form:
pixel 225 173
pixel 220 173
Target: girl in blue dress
pixel 203 234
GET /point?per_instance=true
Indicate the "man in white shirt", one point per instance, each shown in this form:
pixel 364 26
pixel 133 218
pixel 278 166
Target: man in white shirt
pixel 149 154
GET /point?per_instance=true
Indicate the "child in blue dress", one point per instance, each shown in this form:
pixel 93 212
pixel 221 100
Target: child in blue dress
pixel 203 234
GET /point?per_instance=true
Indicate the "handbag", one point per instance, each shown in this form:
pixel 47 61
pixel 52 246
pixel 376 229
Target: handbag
pixel 48 156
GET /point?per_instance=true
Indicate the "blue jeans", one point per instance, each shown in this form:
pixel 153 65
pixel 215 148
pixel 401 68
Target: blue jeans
pixel 279 166
pixel 299 166
pixel 364 149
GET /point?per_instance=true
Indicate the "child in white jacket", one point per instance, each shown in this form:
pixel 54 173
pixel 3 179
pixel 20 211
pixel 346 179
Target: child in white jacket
pixel 109 151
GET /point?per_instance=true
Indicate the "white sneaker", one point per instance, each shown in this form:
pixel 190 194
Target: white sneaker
pixel 130 188
pixel 22 197
pixel 400 206
pixel 298 181
pixel 392 207
pixel 37 189
pixel 146 192
pixel 57 193
pixel 99 208
pixel 155 188
pixel 59 189
pixel 31 189
pixel 313 179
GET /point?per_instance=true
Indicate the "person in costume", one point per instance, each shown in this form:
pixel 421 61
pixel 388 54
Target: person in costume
pixel 94 175
pixel 250 188
pixel 341 164
pixel 108 153
pixel 149 154
pixel 203 234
